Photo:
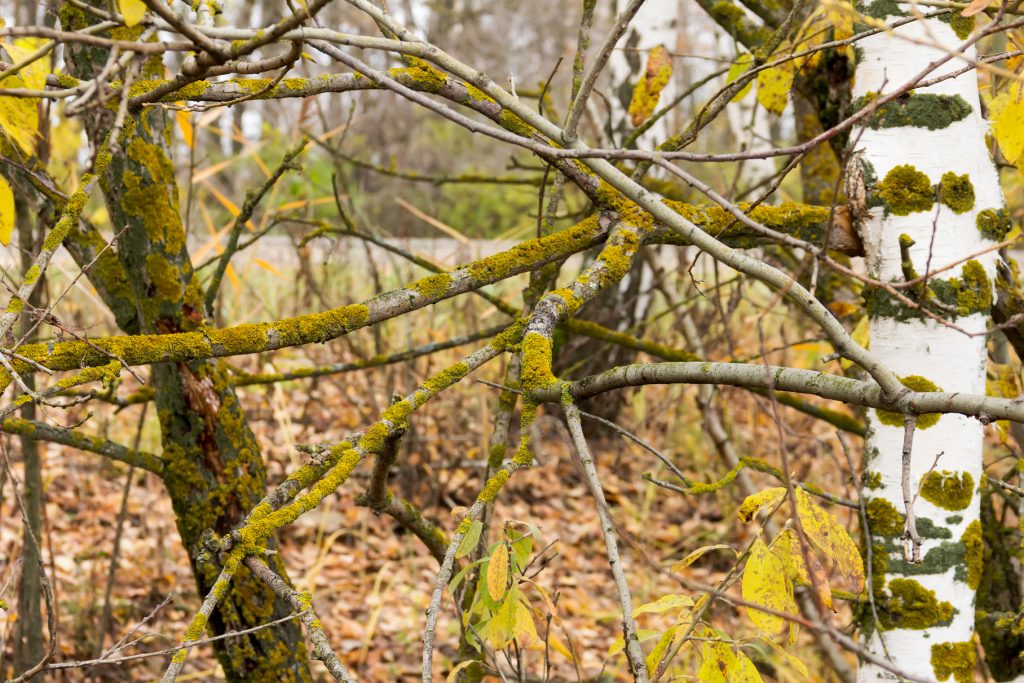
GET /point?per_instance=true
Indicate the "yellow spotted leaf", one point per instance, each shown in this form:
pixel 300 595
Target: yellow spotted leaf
pixel 497 572
pixel 765 583
pixel 763 499
pixel 6 212
pixel 787 662
pixel 828 535
pixel 746 672
pixel 786 547
pixel 1008 124
pixel 648 89
pixel 773 86
pixel 524 628
pixel 722 665
pixel 132 11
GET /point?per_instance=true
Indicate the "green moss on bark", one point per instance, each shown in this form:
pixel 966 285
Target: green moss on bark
pixel 954 659
pixel 906 190
pixel 948 490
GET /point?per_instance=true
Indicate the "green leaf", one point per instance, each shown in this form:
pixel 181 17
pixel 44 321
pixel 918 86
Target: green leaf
pixel 736 70
pixel 470 540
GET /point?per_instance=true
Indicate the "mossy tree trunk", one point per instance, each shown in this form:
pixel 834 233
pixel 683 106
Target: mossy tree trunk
pixel 924 169
pixel 215 473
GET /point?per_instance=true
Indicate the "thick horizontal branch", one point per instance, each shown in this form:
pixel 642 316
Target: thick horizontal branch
pixel 314 327
pixel 850 391
pixel 85 442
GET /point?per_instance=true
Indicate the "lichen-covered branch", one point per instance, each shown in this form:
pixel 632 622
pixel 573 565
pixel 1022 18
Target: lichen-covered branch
pixel 85 442
pixel 302 603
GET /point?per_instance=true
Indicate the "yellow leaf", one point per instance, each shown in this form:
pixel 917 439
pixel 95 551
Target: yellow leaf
pixel 765 583
pixel 497 572
pixel 840 14
pixel 735 71
pixel 862 335
pixel 1008 124
pixel 754 503
pixel 6 212
pixel 19 116
pixel 132 11
pixel 503 621
pixel 773 86
pixel 185 124
pixel 786 546
pixel 453 675
pixel 663 604
pixel 266 266
pixel 825 532
pixel 722 665
pixel 35 73
pixel 642 634
pixel 661 649
pixel 682 564
pixel 746 672
pixel 788 661
pixel 524 628
pixel 975 7
pixel 648 89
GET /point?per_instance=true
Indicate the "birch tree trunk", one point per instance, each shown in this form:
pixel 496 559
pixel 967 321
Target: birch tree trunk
pixel 931 193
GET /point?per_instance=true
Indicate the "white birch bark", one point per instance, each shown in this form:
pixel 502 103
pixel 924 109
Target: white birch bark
pixel 946 357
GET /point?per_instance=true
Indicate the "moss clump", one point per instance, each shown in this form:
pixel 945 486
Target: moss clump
pixel 910 605
pixel 962 26
pixel 906 190
pixel 954 659
pixel 923 110
pixel 536 363
pixel 973 289
pixel 956 192
pixel 433 286
pixel 974 552
pixel 883 518
pixel 948 490
pixel 925 420
pixel 872 480
pixel 993 224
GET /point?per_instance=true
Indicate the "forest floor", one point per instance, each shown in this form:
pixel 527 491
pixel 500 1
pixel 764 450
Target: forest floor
pixel 371 582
